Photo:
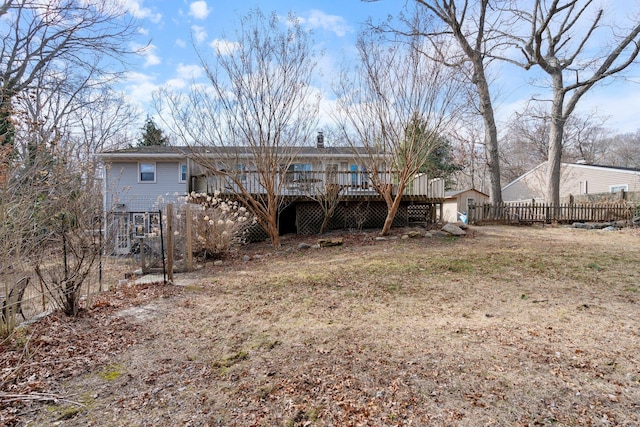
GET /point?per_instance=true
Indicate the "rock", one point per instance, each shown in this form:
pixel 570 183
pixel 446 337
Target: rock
pixel 414 234
pixel 440 233
pixel 330 242
pixel 380 239
pixel 316 246
pixel 257 257
pixel 610 228
pixel 405 237
pixel 579 225
pixel 462 225
pixel 453 230
pixel 246 258
pixel 217 262
pixel 304 246
pixel 595 226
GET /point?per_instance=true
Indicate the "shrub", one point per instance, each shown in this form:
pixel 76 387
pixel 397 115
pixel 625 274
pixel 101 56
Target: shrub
pixel 217 224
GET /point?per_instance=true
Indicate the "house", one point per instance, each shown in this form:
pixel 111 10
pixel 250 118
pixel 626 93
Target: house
pixel 456 202
pixel 576 179
pixel 139 181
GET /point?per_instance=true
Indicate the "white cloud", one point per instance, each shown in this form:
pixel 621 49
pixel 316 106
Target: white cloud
pixel 139 88
pixel 143 31
pixel 199 9
pixel 189 71
pixel 199 33
pixel 136 8
pixel 148 53
pixel 336 24
pixel 175 84
pixel 181 43
pixel 224 47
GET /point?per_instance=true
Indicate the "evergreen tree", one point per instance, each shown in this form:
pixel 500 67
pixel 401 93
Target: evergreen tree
pixel 432 150
pixel 152 135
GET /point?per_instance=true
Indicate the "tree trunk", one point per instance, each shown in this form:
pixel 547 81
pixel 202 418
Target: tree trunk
pixel 393 203
pixel 272 220
pixel 556 134
pixel 490 131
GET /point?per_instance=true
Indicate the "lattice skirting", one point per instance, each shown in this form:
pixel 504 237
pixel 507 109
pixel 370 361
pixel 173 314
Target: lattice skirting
pixel 349 215
pixel 255 233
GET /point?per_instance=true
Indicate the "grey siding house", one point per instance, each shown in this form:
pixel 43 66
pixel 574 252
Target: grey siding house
pixel 576 179
pixel 139 181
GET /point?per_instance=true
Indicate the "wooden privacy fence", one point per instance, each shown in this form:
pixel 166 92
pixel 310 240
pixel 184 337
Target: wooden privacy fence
pixel 526 213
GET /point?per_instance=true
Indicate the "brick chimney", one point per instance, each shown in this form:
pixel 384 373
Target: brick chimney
pixel 320 140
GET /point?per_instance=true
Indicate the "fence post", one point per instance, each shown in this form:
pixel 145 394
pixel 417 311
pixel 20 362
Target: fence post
pixel 170 243
pixel 189 241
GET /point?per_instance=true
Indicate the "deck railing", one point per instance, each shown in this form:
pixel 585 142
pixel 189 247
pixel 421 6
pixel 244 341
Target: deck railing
pixel 318 183
pixel 548 213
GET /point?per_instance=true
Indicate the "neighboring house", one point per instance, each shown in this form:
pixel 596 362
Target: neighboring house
pixel 575 179
pixel 456 202
pixel 139 181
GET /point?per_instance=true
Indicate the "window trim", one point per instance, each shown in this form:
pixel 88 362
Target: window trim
pixel 180 165
pixel 620 187
pixel 155 172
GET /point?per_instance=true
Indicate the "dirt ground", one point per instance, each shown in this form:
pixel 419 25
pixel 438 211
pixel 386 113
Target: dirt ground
pixel 506 326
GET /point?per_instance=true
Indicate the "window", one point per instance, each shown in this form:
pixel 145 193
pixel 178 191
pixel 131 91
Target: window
pixel 183 172
pixel 299 172
pixel 139 224
pixel 470 202
pixel 147 172
pixel 618 188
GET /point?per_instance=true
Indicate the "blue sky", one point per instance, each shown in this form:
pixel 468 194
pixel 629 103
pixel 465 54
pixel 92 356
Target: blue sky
pixel 173 26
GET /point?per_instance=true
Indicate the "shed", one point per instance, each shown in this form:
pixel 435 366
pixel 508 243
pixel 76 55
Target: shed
pixel 458 201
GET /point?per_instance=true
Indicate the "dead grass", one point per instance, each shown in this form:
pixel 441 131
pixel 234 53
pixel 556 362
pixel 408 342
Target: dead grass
pixel 514 326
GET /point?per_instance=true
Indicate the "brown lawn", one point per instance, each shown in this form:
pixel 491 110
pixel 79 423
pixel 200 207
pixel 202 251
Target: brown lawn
pixel 507 326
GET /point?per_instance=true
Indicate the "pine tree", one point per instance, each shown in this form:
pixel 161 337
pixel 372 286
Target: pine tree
pixel 152 135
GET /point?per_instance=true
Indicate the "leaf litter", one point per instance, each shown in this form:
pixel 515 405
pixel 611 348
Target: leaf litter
pixel 368 333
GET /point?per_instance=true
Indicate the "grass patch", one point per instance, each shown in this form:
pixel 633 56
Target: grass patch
pixel 111 372
pixel 229 361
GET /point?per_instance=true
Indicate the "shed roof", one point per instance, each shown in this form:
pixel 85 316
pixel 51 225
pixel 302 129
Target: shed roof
pixel 453 194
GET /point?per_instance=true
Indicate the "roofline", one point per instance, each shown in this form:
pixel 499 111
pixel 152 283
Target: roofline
pixel 318 153
pixel 521 177
pixel 129 155
pixel 615 168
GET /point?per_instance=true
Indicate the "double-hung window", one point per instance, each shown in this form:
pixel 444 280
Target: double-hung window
pixel 147 172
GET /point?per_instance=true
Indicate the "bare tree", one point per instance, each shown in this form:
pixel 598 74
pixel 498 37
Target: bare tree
pixel 469 152
pixel 398 104
pixel 480 30
pixel 53 38
pixel 247 123
pixel 559 42
pixel 624 150
pixel 526 142
pixel 69 245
